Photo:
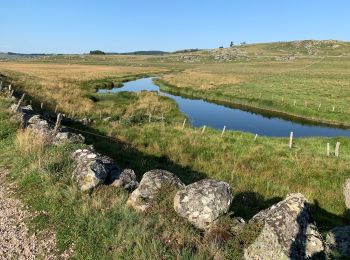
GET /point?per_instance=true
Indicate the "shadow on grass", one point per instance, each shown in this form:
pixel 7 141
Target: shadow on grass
pixel 127 156
pixel 247 204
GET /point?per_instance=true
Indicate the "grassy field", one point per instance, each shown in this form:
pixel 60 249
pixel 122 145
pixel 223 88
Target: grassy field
pixel 260 172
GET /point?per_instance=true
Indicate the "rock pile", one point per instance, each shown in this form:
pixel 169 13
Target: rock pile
pixel 229 54
pixel 93 169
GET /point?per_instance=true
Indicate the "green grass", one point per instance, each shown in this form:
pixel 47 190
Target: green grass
pixel 260 172
pixel 98 224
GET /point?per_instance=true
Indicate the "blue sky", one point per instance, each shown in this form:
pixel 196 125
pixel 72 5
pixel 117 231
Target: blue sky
pixel 77 26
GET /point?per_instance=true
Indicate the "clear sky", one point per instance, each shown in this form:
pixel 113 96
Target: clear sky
pixel 77 26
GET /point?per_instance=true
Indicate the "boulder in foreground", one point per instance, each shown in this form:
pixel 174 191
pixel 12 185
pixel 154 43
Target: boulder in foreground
pixel 203 202
pixel 288 232
pixel 149 187
pixel 91 168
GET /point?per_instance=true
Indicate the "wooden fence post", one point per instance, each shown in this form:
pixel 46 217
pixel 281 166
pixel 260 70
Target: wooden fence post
pixel 291 140
pixel 58 123
pixel 184 123
pixel 203 129
pixel 336 152
pixel 11 93
pixel 328 149
pixel 19 103
pixel 223 131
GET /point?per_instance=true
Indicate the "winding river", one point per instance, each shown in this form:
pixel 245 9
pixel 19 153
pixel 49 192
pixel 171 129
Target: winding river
pixel 201 112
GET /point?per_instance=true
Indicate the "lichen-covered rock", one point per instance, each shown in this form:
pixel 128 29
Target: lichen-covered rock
pixel 338 241
pixel 39 125
pixel 69 137
pixel 152 181
pixel 91 168
pixel 288 232
pixel 203 202
pixel 125 179
pixel 346 193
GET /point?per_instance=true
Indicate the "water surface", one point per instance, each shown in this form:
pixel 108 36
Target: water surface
pixel 201 112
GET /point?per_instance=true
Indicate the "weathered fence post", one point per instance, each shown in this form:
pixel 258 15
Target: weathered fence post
pixel 255 137
pixel 223 131
pixel 184 123
pixel 19 102
pixel 291 140
pixel 203 129
pixel 336 152
pixel 328 149
pixel 58 123
pixel 11 93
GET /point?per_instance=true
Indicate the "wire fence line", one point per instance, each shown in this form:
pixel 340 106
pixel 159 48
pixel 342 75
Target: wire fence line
pixel 158 118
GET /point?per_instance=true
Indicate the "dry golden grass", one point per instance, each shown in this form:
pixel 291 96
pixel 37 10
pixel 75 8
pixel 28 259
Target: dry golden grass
pixel 30 143
pixel 202 79
pixel 62 84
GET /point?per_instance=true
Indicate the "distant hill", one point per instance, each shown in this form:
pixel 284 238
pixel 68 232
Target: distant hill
pixel 14 55
pixel 139 53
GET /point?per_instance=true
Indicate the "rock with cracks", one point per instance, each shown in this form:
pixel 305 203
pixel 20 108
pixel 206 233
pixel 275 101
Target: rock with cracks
pixel 346 192
pixel 338 241
pixel 203 202
pixel 149 187
pixel 92 168
pixel 288 232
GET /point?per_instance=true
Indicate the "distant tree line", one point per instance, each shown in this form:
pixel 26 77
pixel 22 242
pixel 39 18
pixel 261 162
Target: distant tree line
pixel 97 52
